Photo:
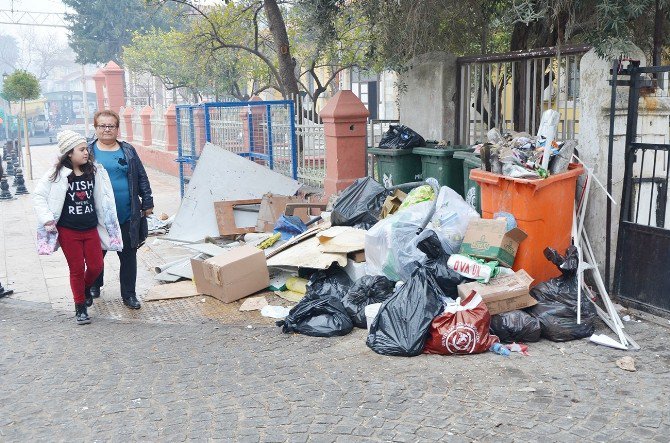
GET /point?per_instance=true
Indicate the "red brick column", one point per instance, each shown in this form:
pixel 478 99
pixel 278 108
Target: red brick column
pixel 128 119
pixel 344 118
pixel 145 117
pixel 115 86
pixel 99 79
pixel 258 136
pixel 171 128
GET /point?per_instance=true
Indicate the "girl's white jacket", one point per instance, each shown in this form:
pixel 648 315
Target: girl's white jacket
pixel 49 197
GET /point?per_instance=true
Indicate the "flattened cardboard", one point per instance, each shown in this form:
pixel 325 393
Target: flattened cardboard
pixel 503 294
pixel 341 239
pixel 232 275
pixel 490 240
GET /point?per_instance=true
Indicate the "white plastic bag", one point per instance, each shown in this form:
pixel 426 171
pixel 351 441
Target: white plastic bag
pixel 451 219
pixel 390 245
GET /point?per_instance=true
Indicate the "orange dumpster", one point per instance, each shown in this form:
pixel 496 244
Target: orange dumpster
pixel 542 208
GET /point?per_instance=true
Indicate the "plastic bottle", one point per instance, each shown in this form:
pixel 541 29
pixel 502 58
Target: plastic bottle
pixel 499 349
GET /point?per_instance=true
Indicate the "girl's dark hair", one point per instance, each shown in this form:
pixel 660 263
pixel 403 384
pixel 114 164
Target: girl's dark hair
pixel 88 169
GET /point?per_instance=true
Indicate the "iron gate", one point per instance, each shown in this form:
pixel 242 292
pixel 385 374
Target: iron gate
pixel 643 250
pixel 262 131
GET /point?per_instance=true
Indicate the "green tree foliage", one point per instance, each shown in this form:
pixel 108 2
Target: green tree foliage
pixel 100 29
pixel 21 85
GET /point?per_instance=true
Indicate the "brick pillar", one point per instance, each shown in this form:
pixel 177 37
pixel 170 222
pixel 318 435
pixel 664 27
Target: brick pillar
pixel 171 128
pixel 344 120
pixel 199 128
pixel 128 119
pixel 115 86
pixel 145 117
pixel 255 138
pixel 99 79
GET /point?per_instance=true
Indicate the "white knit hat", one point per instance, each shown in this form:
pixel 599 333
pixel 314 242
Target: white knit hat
pixel 68 140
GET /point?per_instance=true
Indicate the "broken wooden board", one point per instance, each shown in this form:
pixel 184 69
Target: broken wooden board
pixel 232 221
pixel 171 291
pixel 341 239
pixel 273 206
pixel 306 254
pixel 222 175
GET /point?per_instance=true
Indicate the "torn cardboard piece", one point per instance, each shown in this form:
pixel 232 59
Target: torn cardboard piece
pixel 171 291
pixel 502 294
pixel 341 239
pixel 392 203
pixel 490 240
pixel 306 254
pixel 232 275
pixel 254 304
pixel 222 176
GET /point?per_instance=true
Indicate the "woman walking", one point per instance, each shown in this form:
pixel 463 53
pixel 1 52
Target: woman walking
pixel 74 203
pixel 132 193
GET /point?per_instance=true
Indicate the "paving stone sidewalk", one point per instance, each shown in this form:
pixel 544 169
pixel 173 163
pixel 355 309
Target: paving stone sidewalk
pixel 123 381
pixel 238 378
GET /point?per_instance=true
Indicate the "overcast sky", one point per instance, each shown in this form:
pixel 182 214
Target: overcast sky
pixel 33 6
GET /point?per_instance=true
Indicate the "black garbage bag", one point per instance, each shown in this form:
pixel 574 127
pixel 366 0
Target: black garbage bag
pixel 321 313
pixel 557 301
pixel 401 137
pixel 402 324
pixel 331 282
pixel 447 279
pixel 318 317
pixel 359 204
pixel 515 326
pixel 368 290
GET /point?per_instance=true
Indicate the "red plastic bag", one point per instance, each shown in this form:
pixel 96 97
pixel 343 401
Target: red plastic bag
pixel 461 329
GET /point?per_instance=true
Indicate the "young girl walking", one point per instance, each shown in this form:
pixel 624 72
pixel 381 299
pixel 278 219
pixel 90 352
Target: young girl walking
pixel 75 208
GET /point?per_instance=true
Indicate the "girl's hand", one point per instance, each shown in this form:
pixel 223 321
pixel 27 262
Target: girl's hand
pixel 50 226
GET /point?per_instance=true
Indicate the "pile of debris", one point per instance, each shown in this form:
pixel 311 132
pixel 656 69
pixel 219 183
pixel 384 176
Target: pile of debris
pixel 414 264
pixel 521 155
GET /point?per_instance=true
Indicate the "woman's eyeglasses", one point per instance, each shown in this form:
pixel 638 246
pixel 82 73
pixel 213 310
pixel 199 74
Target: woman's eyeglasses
pixel 106 127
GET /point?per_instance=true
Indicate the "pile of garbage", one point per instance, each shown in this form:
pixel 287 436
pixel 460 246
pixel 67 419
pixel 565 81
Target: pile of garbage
pixel 414 264
pixel 520 155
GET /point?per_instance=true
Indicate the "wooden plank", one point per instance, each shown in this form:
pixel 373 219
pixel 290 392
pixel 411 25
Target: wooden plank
pixel 225 216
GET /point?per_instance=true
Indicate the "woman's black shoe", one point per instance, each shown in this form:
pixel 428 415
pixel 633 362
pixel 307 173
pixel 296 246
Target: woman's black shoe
pixel 131 302
pixel 89 297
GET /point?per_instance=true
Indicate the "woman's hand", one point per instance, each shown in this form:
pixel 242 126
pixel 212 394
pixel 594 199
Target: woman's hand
pixel 148 212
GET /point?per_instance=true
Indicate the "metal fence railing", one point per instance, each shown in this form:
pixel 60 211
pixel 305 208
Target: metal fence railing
pixel 510 91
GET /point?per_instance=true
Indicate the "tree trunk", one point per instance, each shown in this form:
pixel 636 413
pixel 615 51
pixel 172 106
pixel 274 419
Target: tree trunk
pixel 287 78
pixel 659 18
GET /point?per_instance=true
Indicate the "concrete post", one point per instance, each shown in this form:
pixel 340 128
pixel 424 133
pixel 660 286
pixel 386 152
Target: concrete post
pixel 128 119
pixel 99 79
pixel 145 117
pixel 594 121
pixel 428 104
pixel 171 129
pixel 344 119
pixel 115 86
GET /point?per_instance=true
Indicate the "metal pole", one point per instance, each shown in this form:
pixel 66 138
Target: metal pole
pixel 610 151
pixel 29 163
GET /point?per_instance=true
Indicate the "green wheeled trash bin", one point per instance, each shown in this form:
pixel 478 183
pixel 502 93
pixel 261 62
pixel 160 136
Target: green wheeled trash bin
pixel 471 189
pixel 401 165
pixel 440 163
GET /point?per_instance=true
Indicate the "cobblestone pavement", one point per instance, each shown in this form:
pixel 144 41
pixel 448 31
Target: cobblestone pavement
pixel 123 381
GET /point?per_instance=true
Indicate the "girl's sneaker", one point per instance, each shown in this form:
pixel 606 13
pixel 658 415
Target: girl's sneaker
pixel 81 316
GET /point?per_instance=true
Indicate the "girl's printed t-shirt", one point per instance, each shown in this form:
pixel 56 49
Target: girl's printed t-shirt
pixel 79 209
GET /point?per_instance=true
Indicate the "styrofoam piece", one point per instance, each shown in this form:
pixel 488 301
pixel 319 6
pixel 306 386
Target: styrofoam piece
pixel 221 175
pixel 604 340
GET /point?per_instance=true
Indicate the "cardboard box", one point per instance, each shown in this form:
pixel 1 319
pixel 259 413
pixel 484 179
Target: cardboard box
pixel 231 275
pixel 490 240
pixel 502 294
